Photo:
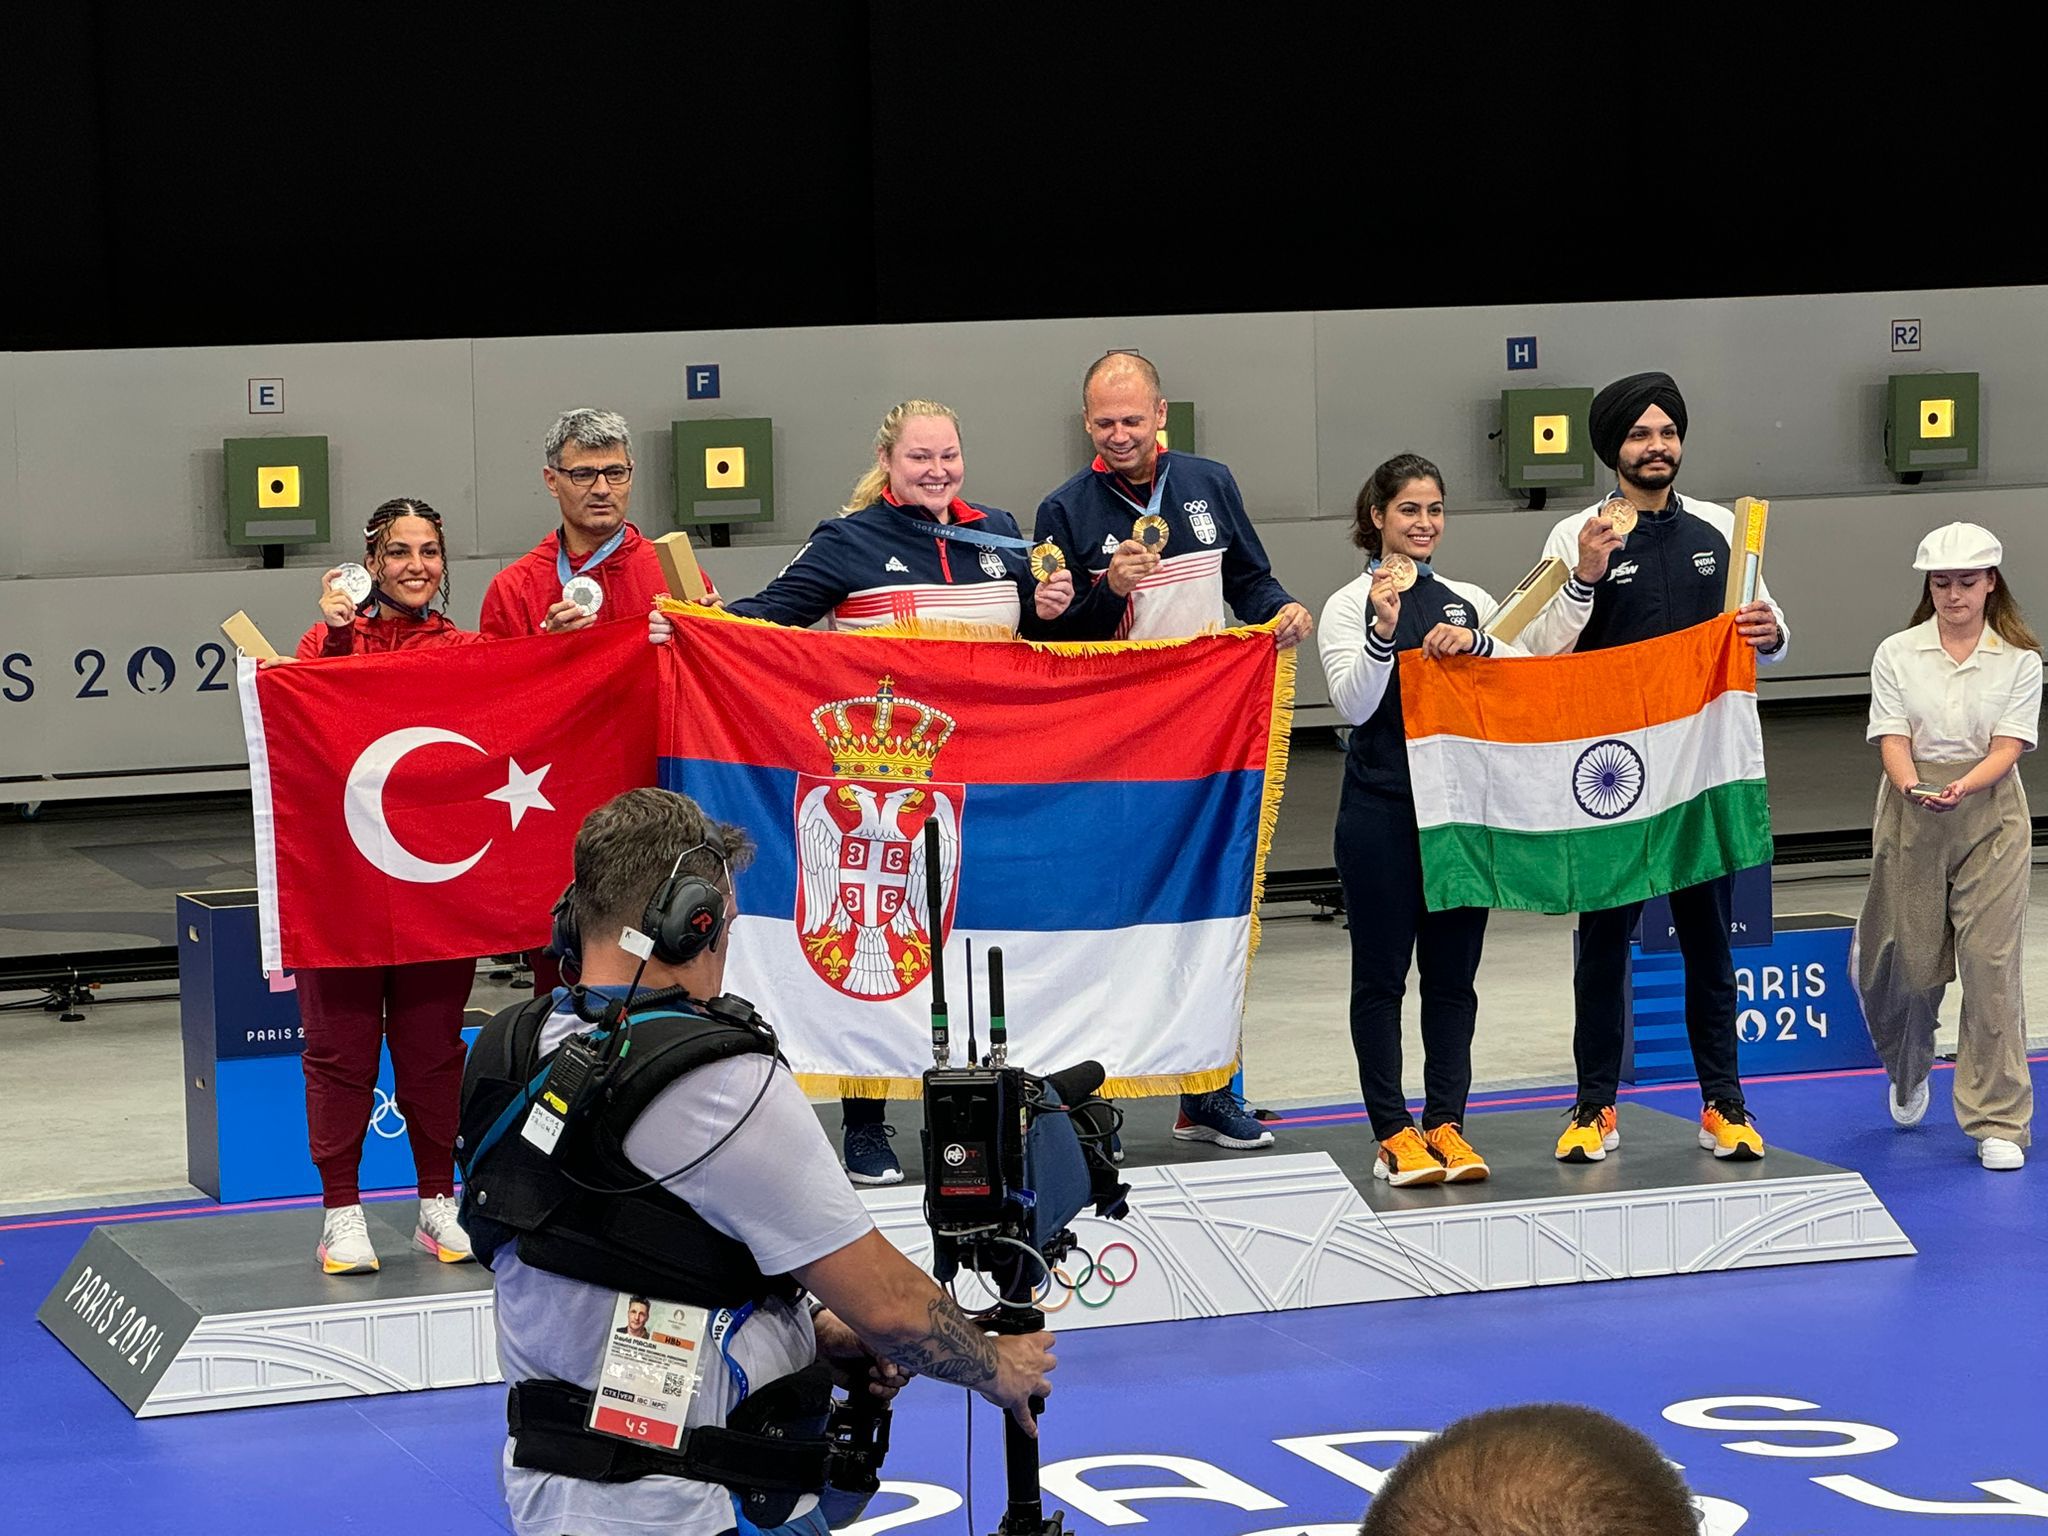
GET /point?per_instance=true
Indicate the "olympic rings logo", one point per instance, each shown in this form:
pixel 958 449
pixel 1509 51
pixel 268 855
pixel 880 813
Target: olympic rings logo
pixel 1074 1289
pixel 386 1113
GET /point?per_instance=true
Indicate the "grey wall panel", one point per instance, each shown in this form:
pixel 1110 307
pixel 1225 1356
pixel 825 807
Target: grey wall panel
pixel 1786 395
pixel 1015 385
pixel 133 440
pixel 123 673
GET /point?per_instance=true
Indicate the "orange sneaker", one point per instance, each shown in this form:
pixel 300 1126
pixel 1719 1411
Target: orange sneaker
pixel 1727 1131
pixel 1592 1134
pixel 1462 1163
pixel 1407 1159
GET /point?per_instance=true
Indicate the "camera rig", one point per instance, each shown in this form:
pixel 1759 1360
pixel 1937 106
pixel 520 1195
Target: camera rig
pixel 1010 1159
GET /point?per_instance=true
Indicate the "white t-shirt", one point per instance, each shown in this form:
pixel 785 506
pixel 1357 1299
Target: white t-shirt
pixel 775 1186
pixel 1951 709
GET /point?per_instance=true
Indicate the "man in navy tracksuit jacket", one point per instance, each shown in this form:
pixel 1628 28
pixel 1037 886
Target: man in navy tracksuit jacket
pixel 1209 564
pixel 1668 573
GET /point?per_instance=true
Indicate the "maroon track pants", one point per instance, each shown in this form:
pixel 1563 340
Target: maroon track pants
pixel 347 1013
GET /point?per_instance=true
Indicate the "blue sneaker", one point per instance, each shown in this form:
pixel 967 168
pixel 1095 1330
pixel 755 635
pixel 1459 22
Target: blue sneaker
pixel 1218 1116
pixel 869 1157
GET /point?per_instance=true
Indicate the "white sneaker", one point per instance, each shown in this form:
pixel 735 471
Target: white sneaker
pixel 440 1233
pixel 1907 1111
pixel 1997 1153
pixel 345 1243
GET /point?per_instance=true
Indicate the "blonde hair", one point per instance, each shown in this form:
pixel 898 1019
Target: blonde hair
pixel 867 490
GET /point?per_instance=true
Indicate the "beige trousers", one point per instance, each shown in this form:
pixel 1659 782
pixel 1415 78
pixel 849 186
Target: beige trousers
pixel 1948 899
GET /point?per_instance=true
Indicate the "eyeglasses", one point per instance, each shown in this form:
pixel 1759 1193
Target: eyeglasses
pixel 584 475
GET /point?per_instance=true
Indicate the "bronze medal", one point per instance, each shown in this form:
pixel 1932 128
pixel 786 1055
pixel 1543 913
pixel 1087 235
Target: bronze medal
pixel 1621 515
pixel 1399 571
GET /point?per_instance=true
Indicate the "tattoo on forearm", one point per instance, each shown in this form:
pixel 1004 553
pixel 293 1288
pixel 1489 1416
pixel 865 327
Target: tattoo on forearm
pixel 951 1349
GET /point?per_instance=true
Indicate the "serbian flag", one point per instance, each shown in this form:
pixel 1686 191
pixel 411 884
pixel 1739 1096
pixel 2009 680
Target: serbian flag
pixel 423 804
pixel 1103 816
pixel 1580 782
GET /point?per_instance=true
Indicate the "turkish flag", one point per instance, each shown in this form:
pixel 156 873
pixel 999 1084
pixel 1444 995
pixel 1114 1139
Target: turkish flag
pixel 424 804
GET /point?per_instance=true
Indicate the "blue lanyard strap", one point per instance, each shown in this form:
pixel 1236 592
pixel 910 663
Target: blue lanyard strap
pixel 604 553
pixel 954 531
pixel 1421 567
pixel 725 1327
pixel 1158 491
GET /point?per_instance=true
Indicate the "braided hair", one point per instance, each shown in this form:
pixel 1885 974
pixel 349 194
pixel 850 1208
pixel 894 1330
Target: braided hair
pixel 377 534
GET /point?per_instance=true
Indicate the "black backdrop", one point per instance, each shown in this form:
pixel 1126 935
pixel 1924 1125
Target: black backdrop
pixel 200 175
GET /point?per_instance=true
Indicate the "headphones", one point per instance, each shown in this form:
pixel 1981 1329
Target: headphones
pixel 684 917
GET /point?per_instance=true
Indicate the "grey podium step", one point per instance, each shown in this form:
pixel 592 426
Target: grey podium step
pixel 194 1314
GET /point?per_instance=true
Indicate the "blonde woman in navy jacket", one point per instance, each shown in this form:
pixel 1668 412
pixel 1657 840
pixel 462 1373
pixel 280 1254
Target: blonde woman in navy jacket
pixel 1400 511
pixel 906 546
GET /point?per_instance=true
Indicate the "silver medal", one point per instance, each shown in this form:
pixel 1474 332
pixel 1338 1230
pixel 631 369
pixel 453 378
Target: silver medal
pixel 353 580
pixel 584 592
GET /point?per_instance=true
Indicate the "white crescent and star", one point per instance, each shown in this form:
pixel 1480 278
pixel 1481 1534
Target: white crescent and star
pixel 362 804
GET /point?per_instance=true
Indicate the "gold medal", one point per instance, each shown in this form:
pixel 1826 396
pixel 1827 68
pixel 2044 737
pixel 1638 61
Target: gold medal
pixel 1399 571
pixel 1150 531
pixel 1621 514
pixel 1047 561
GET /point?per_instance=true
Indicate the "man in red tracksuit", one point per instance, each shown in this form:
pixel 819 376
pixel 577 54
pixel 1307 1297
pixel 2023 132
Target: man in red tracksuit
pixel 588 469
pixel 587 466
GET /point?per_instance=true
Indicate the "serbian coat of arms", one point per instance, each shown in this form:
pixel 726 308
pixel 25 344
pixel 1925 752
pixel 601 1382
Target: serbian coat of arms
pixel 862 908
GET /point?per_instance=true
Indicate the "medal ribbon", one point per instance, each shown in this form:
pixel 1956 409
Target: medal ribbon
pixel 956 532
pixel 603 553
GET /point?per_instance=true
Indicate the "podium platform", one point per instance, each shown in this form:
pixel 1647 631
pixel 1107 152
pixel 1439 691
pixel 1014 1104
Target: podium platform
pixel 197 1314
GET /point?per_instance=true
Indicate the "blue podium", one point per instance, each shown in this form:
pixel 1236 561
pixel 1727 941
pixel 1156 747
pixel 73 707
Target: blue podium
pixel 1796 1004
pixel 245 1098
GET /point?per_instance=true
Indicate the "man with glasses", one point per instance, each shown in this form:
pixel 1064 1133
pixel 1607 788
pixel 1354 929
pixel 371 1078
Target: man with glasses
pixel 588 469
pixel 587 466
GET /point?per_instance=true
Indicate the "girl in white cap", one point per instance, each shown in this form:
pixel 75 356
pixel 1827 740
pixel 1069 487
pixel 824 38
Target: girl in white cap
pixel 1954 701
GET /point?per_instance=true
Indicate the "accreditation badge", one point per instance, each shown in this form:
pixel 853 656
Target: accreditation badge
pixel 653 1361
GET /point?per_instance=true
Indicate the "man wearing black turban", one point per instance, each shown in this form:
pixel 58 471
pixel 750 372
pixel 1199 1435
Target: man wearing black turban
pixel 1621 405
pixel 1663 569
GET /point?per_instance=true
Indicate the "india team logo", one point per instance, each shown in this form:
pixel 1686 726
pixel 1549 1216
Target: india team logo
pixel 862 909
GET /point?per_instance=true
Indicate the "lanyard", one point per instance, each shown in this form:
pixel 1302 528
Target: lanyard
pixel 1158 492
pixel 954 531
pixel 604 552
pixel 1422 570
pixel 725 1327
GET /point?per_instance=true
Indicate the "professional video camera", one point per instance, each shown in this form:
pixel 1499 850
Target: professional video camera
pixel 1010 1158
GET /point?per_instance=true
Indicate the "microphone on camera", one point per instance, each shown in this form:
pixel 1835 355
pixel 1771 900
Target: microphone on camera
pixel 1078 1082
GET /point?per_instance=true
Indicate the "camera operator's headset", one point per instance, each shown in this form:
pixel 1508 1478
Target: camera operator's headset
pixel 685 916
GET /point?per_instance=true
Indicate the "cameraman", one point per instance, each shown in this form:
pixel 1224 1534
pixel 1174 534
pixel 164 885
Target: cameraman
pixel 741 1208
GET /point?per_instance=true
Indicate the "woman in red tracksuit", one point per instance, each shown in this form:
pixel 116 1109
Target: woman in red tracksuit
pixel 347 1012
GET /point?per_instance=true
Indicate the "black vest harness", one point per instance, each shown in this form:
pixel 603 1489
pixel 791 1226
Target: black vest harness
pixel 627 1232
pixel 624 1231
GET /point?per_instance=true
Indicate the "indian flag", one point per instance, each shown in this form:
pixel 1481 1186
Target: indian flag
pixel 1579 782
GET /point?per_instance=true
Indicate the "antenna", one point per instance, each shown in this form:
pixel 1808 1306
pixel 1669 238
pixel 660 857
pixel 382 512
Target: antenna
pixel 998 1026
pixel 934 888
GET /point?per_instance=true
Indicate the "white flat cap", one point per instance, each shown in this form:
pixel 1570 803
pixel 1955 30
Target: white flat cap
pixel 1959 547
